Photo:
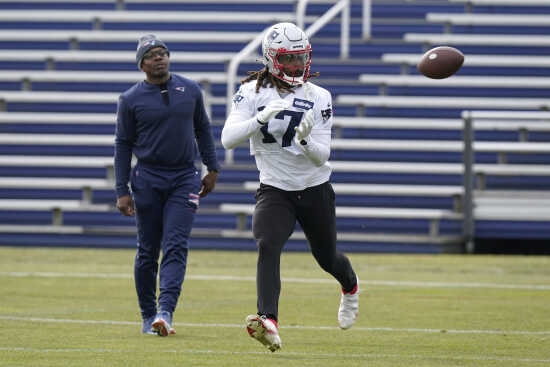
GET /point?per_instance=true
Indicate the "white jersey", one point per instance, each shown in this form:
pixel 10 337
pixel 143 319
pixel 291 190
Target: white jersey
pixel 281 161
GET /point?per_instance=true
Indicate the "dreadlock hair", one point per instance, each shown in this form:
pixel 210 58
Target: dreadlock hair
pixel 266 79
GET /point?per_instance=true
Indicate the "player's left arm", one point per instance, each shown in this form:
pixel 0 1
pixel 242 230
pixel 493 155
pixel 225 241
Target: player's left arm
pixel 313 134
pixel 203 134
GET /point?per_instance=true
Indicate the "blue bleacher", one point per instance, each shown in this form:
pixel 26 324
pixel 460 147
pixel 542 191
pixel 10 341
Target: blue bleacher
pixel 468 92
pixel 516 9
pixel 391 21
pixel 492 29
pixel 497 70
pixel 57 5
pixel 52 171
pixel 233 244
pixel 15 128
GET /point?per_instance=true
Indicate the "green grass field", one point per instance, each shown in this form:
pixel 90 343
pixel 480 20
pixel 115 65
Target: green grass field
pixel 77 307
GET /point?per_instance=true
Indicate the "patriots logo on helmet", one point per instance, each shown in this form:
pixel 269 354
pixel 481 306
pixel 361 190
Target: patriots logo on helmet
pixel 273 35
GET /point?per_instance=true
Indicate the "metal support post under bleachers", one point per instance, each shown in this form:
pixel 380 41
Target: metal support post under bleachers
pixel 241 221
pixel 457 203
pixel 434 227
pixel 480 181
pixel 87 195
pixel 50 63
pixel 206 94
pixel 26 84
pixel 337 132
pixel 523 134
pixel 367 20
pixel 97 24
pixel 110 173
pixel 57 217
pixel 73 44
pixel 468 205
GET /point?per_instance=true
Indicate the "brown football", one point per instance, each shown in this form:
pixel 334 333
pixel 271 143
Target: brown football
pixel 441 62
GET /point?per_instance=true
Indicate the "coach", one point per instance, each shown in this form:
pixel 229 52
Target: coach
pixel 162 121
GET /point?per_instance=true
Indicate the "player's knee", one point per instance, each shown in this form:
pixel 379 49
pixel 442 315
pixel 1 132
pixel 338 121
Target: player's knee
pixel 268 246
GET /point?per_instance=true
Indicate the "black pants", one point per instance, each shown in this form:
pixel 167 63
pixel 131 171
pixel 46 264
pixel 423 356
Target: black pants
pixel 273 222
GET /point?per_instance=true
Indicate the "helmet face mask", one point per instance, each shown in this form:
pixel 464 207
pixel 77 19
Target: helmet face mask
pixel 287 53
pixel 293 66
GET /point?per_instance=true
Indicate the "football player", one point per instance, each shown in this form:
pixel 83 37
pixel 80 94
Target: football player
pixel 288 121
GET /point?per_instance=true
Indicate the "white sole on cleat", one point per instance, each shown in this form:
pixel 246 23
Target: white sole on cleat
pixel 349 309
pixel 161 328
pixel 259 330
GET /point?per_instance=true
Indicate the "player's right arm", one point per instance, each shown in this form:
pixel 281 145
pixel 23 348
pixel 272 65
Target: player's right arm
pixel 124 141
pixel 243 122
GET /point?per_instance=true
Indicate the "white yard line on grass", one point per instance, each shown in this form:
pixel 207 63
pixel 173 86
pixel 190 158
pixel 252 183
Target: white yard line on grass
pixel 391 283
pixel 340 356
pixel 301 327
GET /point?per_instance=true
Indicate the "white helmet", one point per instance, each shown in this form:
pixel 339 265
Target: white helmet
pixel 287 53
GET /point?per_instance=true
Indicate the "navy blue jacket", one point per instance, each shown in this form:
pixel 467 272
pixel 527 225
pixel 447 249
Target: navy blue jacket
pixel 162 133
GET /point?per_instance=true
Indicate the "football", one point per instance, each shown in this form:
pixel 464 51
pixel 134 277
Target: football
pixel 441 62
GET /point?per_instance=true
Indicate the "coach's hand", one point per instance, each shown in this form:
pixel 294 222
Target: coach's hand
pixel 208 183
pixel 126 205
pixel 304 129
pixel 271 109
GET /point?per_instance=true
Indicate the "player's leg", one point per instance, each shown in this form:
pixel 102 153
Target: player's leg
pixel 178 216
pixel 148 205
pixel 317 216
pixel 273 223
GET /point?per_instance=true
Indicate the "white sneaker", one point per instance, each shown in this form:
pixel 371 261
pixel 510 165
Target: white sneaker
pixel 264 330
pixel 349 307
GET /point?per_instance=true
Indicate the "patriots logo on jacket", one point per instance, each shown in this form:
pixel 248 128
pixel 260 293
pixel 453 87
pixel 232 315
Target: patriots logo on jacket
pixel 180 89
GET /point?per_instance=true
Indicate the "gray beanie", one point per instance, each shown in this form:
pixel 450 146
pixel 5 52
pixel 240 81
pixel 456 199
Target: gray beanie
pixel 146 43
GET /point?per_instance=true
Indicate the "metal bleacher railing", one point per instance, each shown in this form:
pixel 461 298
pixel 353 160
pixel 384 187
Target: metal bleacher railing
pixel 503 2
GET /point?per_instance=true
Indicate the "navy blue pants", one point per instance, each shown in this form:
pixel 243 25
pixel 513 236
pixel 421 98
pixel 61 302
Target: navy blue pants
pixel 165 203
